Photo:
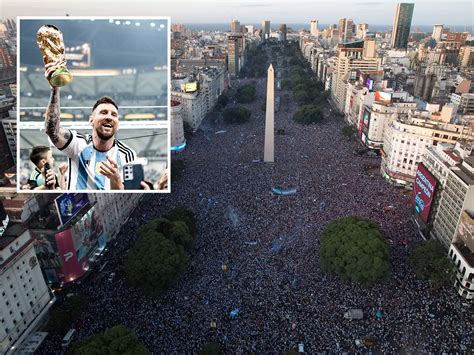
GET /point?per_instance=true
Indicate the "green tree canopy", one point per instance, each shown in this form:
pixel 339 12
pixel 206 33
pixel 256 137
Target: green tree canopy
pixel 236 114
pixel 63 315
pixel 301 97
pixel 177 231
pixel 185 215
pixel 246 94
pixel 154 262
pixel 223 100
pixel 308 114
pixel 116 340
pixel 354 248
pixel 430 262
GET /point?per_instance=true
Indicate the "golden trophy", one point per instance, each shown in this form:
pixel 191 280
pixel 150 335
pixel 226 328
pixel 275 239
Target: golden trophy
pixel 50 42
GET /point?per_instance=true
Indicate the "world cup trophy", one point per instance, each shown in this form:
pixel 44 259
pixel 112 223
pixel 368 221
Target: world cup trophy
pixel 50 42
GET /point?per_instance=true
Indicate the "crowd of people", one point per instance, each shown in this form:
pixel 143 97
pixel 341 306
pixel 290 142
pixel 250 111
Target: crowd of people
pixel 258 252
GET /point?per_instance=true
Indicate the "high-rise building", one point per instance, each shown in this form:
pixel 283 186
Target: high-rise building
pixel 178 27
pixel 233 49
pixel 346 29
pixel 177 127
pixel 235 26
pixel 9 128
pixel 437 32
pixel 461 253
pixel 265 30
pixel 466 56
pixel 7 55
pixel 314 28
pixel 283 31
pixel 401 25
pixel 250 29
pixel 406 139
pixel 350 57
pixel 458 196
pixel 24 295
pixel 361 30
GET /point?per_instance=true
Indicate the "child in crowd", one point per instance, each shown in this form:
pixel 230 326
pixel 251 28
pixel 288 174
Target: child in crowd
pixel 45 180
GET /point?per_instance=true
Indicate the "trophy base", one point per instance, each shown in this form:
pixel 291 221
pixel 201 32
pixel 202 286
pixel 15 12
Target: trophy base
pixel 60 77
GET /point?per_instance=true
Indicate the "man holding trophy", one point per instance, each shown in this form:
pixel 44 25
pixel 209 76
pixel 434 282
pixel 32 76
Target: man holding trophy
pixel 95 161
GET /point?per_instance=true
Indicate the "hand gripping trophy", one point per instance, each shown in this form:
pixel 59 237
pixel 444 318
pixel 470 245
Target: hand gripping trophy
pixel 50 42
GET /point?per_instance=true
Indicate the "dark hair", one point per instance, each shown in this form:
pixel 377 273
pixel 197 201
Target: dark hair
pixel 104 100
pixel 38 153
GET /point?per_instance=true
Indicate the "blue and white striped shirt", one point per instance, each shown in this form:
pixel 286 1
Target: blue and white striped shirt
pixel 85 159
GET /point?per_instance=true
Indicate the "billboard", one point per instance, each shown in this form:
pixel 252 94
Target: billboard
pixel 72 267
pixel 423 192
pixel 369 83
pixel 383 97
pixel 48 256
pixel 86 233
pixel 190 87
pixel 366 118
pixel 68 205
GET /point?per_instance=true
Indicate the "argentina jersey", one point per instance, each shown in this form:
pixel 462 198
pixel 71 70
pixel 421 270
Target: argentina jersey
pixel 84 162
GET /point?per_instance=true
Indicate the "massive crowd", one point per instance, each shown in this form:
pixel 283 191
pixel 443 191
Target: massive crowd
pixel 258 252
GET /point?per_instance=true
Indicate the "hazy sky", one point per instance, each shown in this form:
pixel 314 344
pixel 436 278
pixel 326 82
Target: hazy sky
pixel 277 11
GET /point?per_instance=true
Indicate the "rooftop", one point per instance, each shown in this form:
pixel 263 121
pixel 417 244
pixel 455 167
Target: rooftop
pixel 466 253
pixel 452 155
pixel 464 174
pixel 11 233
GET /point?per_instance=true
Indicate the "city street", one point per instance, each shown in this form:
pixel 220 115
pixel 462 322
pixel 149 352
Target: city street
pixel 258 252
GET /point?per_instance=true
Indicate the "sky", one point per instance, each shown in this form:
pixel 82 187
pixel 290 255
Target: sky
pixel 381 12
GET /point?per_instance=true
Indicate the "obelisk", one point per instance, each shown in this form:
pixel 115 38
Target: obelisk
pixel 269 152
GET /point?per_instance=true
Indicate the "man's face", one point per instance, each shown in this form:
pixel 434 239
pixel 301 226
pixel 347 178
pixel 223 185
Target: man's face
pixel 104 121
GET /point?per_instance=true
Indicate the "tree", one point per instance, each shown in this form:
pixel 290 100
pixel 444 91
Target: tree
pixel 65 314
pixel 236 114
pixel 301 97
pixel 294 61
pixel 286 84
pixel 354 248
pixel 429 260
pixel 246 94
pixel 223 100
pixel 308 114
pixel 185 215
pixel 154 262
pixel 116 340
pixel 210 349
pixel 177 231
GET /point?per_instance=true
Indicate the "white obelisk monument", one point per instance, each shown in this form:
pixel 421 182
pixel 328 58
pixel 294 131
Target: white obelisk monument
pixel 269 152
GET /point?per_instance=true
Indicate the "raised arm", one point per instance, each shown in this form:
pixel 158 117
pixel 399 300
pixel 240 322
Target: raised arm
pixel 58 135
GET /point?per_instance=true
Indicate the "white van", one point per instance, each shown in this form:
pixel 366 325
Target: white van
pixel 68 338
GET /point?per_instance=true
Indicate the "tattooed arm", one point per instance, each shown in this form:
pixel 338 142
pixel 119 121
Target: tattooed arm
pixel 58 135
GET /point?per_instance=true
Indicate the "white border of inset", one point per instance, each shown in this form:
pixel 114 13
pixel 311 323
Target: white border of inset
pixel 168 92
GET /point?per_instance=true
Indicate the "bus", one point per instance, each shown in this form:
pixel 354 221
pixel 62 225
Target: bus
pixel 68 338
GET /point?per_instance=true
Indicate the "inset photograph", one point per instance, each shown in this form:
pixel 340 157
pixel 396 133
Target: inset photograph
pixel 93 104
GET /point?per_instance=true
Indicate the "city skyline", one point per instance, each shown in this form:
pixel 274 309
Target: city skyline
pixel 458 13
